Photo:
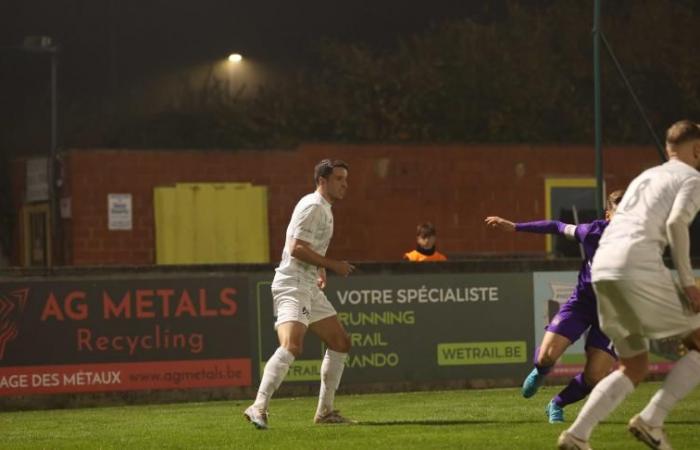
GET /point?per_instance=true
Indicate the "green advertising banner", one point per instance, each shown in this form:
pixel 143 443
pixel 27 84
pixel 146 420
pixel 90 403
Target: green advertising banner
pixel 418 327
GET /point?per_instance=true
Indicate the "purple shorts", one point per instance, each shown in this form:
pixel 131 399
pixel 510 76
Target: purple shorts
pixel 574 318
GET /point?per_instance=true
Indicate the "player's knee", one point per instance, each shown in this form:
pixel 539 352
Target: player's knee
pixel 635 372
pixel 636 376
pixel 340 343
pixel 295 349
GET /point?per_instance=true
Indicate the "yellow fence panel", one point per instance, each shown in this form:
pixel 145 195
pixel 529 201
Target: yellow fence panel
pixel 164 214
pixel 211 223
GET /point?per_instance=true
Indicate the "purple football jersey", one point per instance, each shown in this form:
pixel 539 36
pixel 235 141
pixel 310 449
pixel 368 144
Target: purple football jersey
pixel 588 234
pixel 579 314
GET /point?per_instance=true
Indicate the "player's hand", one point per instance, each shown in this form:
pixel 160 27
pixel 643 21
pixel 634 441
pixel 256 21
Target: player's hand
pixel 321 281
pixel 342 268
pixel 500 223
pixel 693 294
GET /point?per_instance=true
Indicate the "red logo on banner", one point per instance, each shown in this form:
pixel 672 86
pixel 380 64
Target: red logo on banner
pixel 11 308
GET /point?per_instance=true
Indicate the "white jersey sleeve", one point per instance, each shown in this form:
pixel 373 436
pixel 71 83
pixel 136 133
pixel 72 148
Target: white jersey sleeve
pixel 306 223
pixel 684 209
pixel 570 231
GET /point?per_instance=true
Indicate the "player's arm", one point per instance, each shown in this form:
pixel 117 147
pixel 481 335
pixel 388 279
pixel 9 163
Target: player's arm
pixel 683 211
pixel 321 281
pixel 540 226
pixel 302 251
pixel 300 248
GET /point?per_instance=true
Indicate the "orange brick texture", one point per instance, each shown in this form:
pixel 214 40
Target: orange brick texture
pixel 391 189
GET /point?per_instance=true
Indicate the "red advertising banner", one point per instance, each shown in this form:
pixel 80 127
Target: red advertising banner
pixel 125 376
pixel 91 335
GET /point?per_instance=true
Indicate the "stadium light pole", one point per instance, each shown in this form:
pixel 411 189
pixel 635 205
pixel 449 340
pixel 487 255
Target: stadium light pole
pixel 598 38
pixel 596 111
pixel 44 44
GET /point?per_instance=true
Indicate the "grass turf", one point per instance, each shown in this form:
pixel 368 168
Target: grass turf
pixel 470 419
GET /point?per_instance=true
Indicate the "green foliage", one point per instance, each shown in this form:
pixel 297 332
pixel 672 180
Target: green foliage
pixel 468 419
pixel 526 77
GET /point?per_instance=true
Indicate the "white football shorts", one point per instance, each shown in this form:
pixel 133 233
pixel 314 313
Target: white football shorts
pixel 300 302
pixel 633 311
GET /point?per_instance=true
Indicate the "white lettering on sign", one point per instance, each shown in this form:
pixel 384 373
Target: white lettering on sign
pixel 424 294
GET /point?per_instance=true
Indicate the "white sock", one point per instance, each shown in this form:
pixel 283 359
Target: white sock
pixel 275 371
pixel 679 382
pixel 604 398
pixel 331 371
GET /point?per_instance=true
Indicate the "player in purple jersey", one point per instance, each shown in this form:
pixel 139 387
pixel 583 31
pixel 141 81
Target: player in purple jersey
pixel 578 315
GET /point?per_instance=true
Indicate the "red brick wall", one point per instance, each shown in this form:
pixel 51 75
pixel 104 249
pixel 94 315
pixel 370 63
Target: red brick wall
pixel 392 188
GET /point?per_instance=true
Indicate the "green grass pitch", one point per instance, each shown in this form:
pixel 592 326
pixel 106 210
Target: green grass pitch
pixel 468 419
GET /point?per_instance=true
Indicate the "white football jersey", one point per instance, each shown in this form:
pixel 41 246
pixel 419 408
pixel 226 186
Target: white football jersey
pixel 312 222
pixel 632 245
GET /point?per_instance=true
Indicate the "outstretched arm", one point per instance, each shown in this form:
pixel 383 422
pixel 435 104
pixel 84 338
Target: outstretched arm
pixel 547 227
pixel 540 226
pixel 500 223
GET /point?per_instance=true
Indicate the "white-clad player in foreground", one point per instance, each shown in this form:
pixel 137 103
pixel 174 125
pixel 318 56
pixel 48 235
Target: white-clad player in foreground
pixel 637 297
pixel 299 302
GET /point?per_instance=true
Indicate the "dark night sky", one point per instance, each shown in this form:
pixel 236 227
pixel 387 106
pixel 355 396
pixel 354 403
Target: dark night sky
pixel 109 46
pixel 177 28
pixel 113 39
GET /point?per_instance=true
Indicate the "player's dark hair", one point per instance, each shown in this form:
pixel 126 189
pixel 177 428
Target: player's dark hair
pixel 681 132
pixel 426 229
pixel 614 199
pixel 325 168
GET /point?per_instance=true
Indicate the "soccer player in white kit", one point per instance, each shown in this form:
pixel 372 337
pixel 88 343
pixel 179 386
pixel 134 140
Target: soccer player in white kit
pixel 637 297
pixel 299 302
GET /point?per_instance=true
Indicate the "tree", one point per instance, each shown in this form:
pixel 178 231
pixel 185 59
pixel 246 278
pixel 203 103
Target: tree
pixel 526 77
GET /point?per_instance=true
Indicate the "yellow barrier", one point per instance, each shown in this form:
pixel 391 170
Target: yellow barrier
pixel 208 223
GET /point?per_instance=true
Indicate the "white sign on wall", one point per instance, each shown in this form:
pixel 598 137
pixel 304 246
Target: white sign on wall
pixel 37 182
pixel 119 211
